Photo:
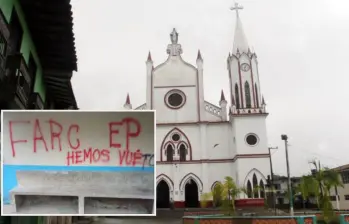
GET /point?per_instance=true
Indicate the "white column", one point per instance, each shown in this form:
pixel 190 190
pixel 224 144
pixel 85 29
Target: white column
pixel 149 86
pixel 199 63
pixel 204 155
pixel 176 180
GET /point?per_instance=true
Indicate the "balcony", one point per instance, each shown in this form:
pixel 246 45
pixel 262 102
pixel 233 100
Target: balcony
pixel 4 37
pixel 23 82
pixel 35 102
pixel 17 82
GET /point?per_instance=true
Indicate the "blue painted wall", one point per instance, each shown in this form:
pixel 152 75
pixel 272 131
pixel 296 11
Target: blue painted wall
pixel 10 180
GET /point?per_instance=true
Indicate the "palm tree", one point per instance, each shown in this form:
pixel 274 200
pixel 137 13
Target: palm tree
pixel 228 191
pixel 217 192
pixel 327 179
pixel 309 187
pixel 319 184
pixel 332 180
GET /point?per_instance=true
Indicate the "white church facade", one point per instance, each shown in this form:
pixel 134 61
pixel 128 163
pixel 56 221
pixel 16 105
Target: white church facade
pixel 200 143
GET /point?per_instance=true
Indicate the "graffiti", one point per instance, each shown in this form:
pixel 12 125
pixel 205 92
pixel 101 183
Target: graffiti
pixel 136 158
pixel 129 134
pixel 150 161
pixel 88 155
pixel 38 135
pixel 51 135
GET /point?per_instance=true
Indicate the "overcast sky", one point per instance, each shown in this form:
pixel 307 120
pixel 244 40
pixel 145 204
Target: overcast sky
pixel 302 48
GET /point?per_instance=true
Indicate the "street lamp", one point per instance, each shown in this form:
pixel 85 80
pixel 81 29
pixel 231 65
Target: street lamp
pixel 285 138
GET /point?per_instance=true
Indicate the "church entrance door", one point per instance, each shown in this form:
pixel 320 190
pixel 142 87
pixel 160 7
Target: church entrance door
pixel 191 192
pixel 162 195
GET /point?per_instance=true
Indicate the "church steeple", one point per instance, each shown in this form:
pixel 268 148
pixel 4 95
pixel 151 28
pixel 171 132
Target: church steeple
pixel 243 73
pixel 240 40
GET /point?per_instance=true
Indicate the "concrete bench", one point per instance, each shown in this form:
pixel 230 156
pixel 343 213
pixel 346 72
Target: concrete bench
pixel 77 192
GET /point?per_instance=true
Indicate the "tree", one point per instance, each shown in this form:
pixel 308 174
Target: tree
pixel 217 192
pixel 307 188
pixel 319 185
pixel 226 192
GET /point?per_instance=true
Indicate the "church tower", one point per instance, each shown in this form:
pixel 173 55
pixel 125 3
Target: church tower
pixel 247 112
pixel 245 91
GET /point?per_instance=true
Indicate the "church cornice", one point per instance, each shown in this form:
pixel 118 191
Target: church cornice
pixel 234 159
pixel 238 56
pixel 192 123
pixel 248 114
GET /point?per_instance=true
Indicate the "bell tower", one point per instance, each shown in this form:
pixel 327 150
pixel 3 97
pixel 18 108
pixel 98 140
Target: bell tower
pixel 247 112
pixel 245 91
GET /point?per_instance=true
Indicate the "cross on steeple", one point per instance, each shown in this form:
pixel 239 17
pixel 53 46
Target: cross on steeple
pixel 236 7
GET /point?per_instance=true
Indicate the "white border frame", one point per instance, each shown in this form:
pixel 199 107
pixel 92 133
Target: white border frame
pixel 76 111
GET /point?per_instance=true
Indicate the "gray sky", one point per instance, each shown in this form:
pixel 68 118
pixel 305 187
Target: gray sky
pixel 302 48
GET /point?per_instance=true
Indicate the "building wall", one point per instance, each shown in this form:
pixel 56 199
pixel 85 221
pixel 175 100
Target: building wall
pixel 282 188
pixel 175 74
pixel 245 125
pixel 343 202
pixel 208 149
pixel 27 45
pixel 179 174
pixel 206 142
pixel 211 157
pixel 342 192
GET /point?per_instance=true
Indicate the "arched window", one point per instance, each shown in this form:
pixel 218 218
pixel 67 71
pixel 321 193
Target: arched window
pixel 247 95
pixel 178 143
pixel 256 90
pixel 182 152
pixel 249 189
pixel 255 186
pixel 169 152
pixel 237 98
pixel 262 189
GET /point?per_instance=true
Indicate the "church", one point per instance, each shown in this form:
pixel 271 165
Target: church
pixel 200 143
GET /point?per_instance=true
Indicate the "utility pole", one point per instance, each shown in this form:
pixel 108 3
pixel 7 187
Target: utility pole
pixel 272 178
pixel 285 138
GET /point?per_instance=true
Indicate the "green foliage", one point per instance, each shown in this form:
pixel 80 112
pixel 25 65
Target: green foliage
pixel 332 220
pixel 319 186
pixel 266 205
pixel 217 193
pixel 223 195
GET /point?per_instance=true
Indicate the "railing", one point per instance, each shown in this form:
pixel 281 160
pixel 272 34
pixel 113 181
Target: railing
pixel 225 219
pixel 141 107
pixel 212 109
pixel 249 111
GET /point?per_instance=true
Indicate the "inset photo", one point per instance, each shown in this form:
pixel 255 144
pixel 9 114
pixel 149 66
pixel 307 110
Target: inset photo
pixel 74 162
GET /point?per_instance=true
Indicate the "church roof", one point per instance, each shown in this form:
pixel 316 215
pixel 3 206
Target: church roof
pixel 240 40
